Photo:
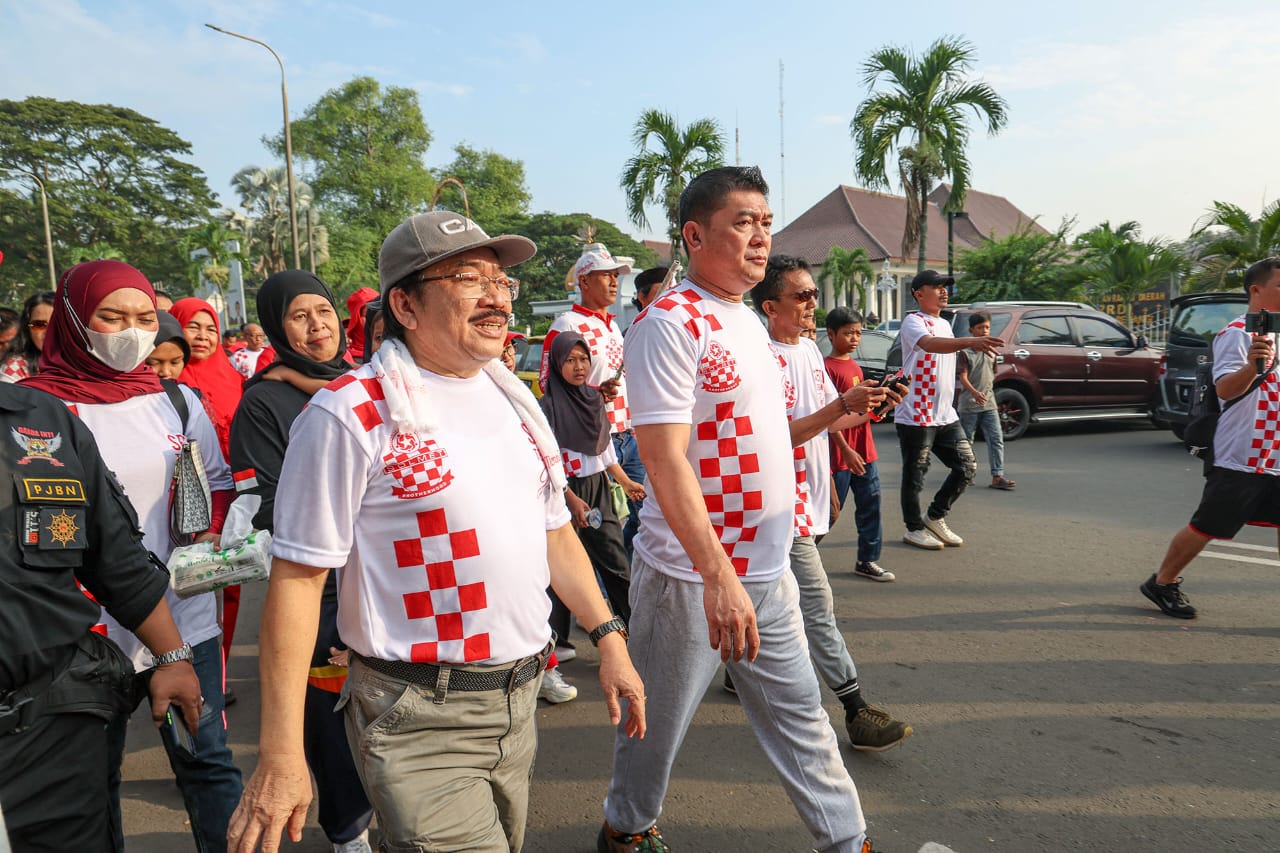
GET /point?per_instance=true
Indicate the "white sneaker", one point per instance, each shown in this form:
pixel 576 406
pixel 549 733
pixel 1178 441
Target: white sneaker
pixel 938 527
pixel 555 689
pixel 923 539
pixel 564 654
pixel 359 844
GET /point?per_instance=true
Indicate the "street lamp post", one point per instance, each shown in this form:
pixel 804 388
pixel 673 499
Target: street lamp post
pixel 48 236
pixel 288 140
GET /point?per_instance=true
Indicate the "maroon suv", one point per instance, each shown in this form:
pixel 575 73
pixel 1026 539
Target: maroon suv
pixel 1062 361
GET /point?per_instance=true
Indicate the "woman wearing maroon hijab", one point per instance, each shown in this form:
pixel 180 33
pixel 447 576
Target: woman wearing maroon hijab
pixel 102 328
pixel 209 370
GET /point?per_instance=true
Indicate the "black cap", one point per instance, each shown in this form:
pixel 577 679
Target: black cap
pixel 931 277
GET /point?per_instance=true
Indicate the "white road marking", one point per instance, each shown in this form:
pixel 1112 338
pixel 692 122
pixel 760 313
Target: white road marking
pixel 1239 558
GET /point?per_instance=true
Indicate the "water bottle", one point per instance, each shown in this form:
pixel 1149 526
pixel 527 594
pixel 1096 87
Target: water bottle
pixel 594 519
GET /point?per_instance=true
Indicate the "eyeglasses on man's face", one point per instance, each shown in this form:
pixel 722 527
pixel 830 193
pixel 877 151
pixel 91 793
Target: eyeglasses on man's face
pixel 803 296
pixel 475 285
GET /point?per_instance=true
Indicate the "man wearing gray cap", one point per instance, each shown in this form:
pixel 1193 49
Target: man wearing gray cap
pixel 391 475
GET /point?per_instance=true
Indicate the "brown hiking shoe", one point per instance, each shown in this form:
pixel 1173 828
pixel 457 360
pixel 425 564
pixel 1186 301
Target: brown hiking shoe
pixel 612 841
pixel 873 730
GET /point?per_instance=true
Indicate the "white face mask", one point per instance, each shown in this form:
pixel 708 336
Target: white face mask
pixel 122 351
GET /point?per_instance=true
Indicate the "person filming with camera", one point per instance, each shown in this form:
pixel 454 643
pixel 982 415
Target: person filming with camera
pixel 1242 485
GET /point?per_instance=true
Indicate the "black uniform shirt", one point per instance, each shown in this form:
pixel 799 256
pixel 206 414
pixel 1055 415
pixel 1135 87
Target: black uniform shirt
pixel 63 517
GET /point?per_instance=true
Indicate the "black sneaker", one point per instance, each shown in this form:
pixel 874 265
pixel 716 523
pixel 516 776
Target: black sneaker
pixel 873 572
pixel 1169 598
pixel 612 841
pixel 873 730
pixel 728 684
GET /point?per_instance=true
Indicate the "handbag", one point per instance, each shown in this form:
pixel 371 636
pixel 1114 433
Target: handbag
pixel 190 503
pixel 1205 411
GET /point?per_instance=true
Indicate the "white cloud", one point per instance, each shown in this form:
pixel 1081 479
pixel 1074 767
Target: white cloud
pixel 831 120
pixel 528 45
pixel 458 90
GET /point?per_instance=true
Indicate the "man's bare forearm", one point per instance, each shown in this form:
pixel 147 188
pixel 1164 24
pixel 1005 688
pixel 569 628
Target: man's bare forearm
pixel 290 620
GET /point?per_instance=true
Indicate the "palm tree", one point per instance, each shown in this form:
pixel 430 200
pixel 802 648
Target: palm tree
pixel 1117 262
pixel 659 176
pixel 922 117
pixel 264 215
pixel 214 263
pixel 846 268
pixel 1227 240
pixel 99 251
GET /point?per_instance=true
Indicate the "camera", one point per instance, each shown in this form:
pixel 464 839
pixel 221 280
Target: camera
pixel 897 383
pixel 1263 323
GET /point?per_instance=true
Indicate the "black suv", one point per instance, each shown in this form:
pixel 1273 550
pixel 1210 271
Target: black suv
pixel 1196 319
pixel 1060 361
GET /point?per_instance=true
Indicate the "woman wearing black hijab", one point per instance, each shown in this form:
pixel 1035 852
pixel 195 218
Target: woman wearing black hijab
pixel 575 411
pixel 299 314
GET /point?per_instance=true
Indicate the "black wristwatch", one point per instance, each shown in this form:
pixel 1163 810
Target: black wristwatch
pixel 605 628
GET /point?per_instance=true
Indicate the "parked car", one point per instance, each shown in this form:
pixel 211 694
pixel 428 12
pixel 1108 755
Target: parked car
pixel 528 362
pixel 1196 318
pixel 1061 361
pixel 871 353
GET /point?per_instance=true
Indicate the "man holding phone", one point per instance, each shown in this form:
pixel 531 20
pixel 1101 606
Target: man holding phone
pixel 927 422
pixel 1243 484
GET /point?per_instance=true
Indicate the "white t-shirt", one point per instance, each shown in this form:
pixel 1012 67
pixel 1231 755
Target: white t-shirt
pixel 604 339
pixel 1248 434
pixel 582 465
pixel 808 389
pixel 700 360
pixel 139 439
pixel 245 361
pixel 930 397
pixel 440 538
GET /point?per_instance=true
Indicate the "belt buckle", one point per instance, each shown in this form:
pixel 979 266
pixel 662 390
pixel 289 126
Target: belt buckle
pixel 17 717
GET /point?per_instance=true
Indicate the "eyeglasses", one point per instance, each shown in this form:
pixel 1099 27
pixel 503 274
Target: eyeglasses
pixel 38 324
pixel 805 296
pixel 475 285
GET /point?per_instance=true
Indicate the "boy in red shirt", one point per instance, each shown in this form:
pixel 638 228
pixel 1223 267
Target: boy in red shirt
pixel 853 451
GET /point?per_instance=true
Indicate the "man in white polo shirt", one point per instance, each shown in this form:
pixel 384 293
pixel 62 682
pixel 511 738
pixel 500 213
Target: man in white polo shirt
pixel 429 478
pixel 711 569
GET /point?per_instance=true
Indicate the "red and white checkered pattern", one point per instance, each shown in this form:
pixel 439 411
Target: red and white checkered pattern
pixel 808 389
pixel 804 499
pixel 604 339
pixel 447 605
pixel 734 507
pixel 924 379
pixel 930 398
pixel 14 369
pixel 1265 446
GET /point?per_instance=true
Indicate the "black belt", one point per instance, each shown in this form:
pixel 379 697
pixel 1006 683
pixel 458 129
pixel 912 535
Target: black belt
pixel 445 677
pixel 19 708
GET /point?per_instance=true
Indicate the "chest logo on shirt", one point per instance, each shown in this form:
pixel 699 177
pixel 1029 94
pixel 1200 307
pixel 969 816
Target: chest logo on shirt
pixel 719 370
pixel 37 444
pixel 820 382
pixel 418 468
pixel 613 353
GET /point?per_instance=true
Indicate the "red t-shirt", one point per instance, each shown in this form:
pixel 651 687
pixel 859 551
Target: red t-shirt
pixel 845 374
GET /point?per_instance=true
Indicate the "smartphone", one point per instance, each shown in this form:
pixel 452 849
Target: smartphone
pixel 896 382
pixel 175 732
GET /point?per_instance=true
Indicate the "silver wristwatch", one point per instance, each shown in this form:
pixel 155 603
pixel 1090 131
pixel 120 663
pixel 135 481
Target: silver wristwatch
pixel 183 652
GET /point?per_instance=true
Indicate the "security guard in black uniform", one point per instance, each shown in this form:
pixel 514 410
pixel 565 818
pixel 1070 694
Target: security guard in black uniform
pixel 63 519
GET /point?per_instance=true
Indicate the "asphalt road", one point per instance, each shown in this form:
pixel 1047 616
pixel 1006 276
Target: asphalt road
pixel 1054 707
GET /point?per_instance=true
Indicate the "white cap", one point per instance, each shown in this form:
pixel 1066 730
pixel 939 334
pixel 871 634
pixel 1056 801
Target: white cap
pixel 596 257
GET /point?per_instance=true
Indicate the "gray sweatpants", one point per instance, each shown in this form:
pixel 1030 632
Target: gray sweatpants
pixel 826 643
pixel 779 693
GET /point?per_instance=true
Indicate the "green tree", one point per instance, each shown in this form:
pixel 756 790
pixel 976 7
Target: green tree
pixel 212 238
pixel 659 175
pixel 100 251
pixel 1117 262
pixel 542 278
pixel 1026 264
pixel 848 269
pixel 113 176
pixel 1226 240
pixel 363 146
pixel 922 117
pixel 495 184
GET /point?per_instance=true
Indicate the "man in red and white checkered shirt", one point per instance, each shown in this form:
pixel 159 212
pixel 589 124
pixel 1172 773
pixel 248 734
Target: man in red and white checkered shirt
pixel 710 581
pixel 926 418
pixel 430 480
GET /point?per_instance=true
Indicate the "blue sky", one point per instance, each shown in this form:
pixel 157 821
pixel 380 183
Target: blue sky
pixel 1118 110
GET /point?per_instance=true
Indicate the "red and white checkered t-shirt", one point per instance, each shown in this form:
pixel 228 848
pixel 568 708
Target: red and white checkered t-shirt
pixel 584 465
pixel 699 360
pixel 1248 435
pixel 810 389
pixel 604 339
pixel 439 538
pixel 930 398
pixel 14 369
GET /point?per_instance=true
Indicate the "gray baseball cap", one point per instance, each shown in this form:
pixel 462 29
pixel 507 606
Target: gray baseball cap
pixel 428 238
